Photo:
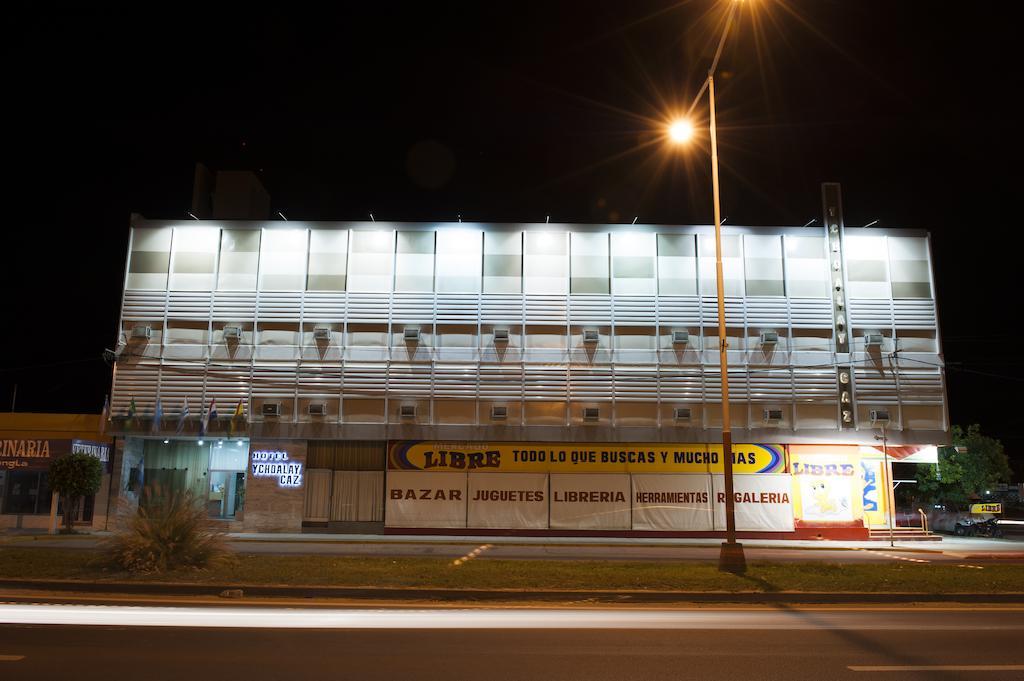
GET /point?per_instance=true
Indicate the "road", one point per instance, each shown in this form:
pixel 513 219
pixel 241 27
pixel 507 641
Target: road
pixel 257 643
pixel 951 550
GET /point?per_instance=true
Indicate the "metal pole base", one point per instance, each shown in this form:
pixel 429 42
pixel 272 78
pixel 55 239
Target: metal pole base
pixel 731 558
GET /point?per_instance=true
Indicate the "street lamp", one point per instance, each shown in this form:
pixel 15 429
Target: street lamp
pixel 731 557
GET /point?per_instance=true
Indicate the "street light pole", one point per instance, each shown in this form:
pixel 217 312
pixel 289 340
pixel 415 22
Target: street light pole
pixel 890 497
pixel 731 558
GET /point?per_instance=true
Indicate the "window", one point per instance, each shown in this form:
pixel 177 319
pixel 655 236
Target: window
pixel 677 265
pixel 239 259
pixel 283 260
pixel 588 263
pixel 194 261
pixel 546 262
pixel 633 255
pixel 763 265
pixel 414 262
pixel 732 265
pixel 908 264
pixel 150 256
pixel 328 260
pixel 25 492
pixel 370 261
pixel 806 267
pixel 458 261
pixel 503 262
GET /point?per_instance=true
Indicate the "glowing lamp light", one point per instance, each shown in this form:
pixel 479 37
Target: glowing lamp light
pixel 680 131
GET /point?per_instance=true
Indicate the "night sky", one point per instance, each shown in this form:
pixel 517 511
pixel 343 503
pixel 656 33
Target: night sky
pixel 432 110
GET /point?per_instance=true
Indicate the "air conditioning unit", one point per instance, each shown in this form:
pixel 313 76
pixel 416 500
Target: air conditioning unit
pixel 769 337
pixel 591 414
pixel 407 411
pixel 232 333
pixel 317 409
pixel 590 336
pixel 142 331
pixel 680 337
pixel 681 413
pixel 772 415
pixel 271 409
pixel 873 340
pixel 411 335
pixel 501 335
pixel 322 334
pixel 499 413
pixel 879 416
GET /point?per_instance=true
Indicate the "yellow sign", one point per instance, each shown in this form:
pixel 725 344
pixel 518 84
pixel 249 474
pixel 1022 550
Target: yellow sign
pixel 584 457
pixel 986 508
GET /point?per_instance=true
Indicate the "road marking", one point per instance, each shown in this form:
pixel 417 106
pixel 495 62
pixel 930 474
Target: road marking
pixel 471 555
pixel 895 557
pixel 11 658
pixel 938 668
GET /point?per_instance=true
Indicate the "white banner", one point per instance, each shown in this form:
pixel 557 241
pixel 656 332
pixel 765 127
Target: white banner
pixel 419 499
pixel 508 500
pixel 665 501
pixel 763 502
pixel 590 501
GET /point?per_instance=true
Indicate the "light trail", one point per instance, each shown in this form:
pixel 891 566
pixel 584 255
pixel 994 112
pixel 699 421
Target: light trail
pixel 284 618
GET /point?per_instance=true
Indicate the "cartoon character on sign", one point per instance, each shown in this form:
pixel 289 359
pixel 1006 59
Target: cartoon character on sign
pixel 825 500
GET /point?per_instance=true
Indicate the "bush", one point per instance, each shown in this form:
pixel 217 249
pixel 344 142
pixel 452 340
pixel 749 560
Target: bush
pixel 172 532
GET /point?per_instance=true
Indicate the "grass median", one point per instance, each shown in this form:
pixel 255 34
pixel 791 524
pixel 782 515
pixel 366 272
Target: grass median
pixel 484 573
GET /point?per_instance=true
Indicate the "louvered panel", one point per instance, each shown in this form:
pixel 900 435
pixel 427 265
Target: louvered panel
pixel 686 385
pixel 636 384
pixel 455 380
pixel 810 313
pixel 228 384
pixel 180 381
pixel 679 310
pixel 499 382
pixel 815 386
pixel 143 306
pixel 634 310
pixel 914 314
pixel 274 379
pixel 135 381
pixel 545 382
pixel 320 380
pixel 737 385
pixel 592 385
pixel 590 309
pixel 873 387
pixel 921 388
pixel 501 309
pixel 279 306
pixel 234 306
pixel 364 380
pixel 408 380
pixel 733 311
pixel 412 308
pixel 768 386
pixel 458 309
pixel 546 310
pixel 368 308
pixel 867 313
pixel 193 305
pixel 767 312
pixel 323 307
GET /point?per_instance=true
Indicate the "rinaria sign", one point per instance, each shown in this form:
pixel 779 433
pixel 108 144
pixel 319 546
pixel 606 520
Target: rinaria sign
pixel 275 464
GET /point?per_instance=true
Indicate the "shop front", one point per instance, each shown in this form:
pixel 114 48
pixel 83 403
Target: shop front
pixel 29 443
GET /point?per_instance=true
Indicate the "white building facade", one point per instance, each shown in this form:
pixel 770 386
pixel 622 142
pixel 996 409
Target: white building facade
pixel 538 377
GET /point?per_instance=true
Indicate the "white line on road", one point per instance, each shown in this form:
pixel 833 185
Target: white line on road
pixel 938 668
pixel 11 658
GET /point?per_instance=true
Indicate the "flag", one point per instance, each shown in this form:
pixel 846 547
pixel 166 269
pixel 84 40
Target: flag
pixel 104 415
pixel 183 416
pixel 204 423
pixel 130 414
pixel 239 413
pixel 158 415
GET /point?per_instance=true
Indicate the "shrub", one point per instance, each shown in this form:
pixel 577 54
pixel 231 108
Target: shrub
pixel 73 477
pixel 171 532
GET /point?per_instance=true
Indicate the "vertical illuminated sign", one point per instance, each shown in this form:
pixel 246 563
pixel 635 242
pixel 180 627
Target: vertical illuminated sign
pixel 832 205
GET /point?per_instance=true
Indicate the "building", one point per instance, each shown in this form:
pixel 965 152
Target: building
pixel 28 444
pixel 535 378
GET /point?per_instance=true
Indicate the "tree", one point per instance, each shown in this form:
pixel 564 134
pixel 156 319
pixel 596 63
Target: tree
pixel 972 465
pixel 73 477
